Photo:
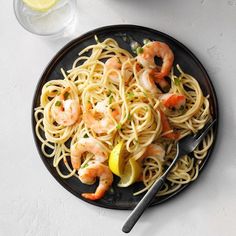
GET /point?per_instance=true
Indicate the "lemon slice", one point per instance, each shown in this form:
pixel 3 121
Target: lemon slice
pixel 131 173
pixel 116 159
pixel 40 5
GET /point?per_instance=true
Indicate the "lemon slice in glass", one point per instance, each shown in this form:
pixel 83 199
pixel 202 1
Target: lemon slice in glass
pixel 40 5
pixel 116 159
pixel 131 173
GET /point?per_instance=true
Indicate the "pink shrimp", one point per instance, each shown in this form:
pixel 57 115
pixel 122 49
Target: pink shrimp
pixel 115 63
pixel 167 130
pixel 65 111
pixel 89 174
pixel 87 145
pixel 97 119
pixel 173 101
pixel 155 150
pixel 146 80
pixel 147 60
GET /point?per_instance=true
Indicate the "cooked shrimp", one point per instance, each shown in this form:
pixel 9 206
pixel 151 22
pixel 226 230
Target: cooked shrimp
pixel 146 59
pixel 65 111
pixel 155 150
pixel 87 145
pixel 173 101
pixel 89 174
pixel 115 63
pixel 99 126
pixel 148 83
pixel 167 131
pixel 98 121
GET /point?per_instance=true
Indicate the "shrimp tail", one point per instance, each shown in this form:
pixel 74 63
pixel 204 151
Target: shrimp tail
pixel 93 196
pixel 89 175
pixel 90 196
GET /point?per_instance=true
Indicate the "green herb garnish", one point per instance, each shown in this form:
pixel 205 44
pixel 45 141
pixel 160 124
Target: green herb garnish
pixel 84 166
pixel 119 60
pixel 131 95
pixel 66 95
pixel 86 136
pixel 134 45
pixel 177 81
pixel 146 41
pixel 110 99
pixel 129 116
pixel 118 126
pixel 111 190
pixel 58 103
pixel 139 50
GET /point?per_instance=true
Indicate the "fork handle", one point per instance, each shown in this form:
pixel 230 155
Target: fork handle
pixel 143 205
pixel 146 200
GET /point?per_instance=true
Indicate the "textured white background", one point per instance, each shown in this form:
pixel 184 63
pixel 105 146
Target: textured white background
pixel 33 203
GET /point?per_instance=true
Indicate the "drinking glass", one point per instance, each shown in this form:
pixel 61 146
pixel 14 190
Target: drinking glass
pixel 59 20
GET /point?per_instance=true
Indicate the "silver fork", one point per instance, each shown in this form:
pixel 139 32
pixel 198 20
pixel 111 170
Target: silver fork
pixel 184 147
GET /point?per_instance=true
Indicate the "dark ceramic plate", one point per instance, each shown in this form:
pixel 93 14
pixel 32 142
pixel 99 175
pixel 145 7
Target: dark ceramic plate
pixel 121 198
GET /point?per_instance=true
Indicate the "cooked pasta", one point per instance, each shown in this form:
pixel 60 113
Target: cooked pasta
pixel 108 97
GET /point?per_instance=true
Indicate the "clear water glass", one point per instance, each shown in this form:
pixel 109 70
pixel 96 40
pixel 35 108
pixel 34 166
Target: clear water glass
pixel 60 20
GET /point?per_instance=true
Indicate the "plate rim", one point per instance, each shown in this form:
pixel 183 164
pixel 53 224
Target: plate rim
pixel 66 48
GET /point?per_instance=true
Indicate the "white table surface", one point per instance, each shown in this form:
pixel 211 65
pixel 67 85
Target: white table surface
pixel 33 203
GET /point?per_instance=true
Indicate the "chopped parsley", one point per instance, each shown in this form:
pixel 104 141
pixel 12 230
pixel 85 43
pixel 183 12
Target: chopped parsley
pixel 131 95
pixel 146 41
pixel 84 166
pixel 129 116
pixel 134 45
pixel 66 95
pixel 111 190
pixel 118 126
pixel 177 81
pixel 110 99
pixel 139 50
pixel 58 103
pixel 86 136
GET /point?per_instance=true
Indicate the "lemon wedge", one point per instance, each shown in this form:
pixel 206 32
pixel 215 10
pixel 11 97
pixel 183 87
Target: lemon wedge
pixel 131 173
pixel 116 159
pixel 40 5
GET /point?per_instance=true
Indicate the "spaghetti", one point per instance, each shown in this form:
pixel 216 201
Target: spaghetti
pixel 106 97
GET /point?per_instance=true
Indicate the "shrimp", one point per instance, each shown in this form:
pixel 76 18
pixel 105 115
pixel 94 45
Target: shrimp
pixel 89 174
pixel 147 60
pixel 173 101
pixel 97 120
pixel 148 83
pixel 166 128
pixel 87 145
pixel 155 150
pixel 65 111
pixel 115 63
pixel 99 126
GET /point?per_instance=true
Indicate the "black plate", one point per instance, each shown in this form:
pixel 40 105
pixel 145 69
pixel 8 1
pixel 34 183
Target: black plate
pixel 121 198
